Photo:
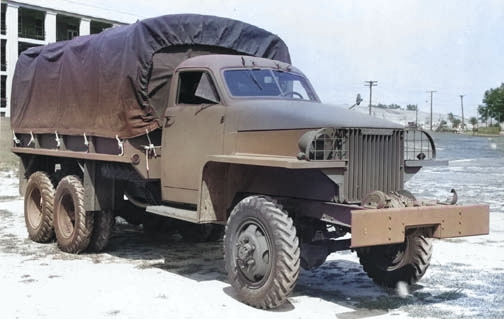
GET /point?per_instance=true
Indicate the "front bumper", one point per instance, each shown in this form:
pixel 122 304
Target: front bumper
pixel 371 227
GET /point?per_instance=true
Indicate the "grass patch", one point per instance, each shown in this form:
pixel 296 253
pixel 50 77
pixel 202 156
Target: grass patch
pixel 491 130
pixel 8 161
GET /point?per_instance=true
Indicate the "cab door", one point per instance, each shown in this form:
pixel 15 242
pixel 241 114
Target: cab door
pixel 193 130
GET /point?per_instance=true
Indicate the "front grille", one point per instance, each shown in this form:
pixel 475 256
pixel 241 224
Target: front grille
pixel 375 158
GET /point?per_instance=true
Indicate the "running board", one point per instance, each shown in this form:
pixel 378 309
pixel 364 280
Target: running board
pixel 177 213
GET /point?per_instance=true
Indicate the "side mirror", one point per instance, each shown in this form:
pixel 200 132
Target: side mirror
pixel 358 99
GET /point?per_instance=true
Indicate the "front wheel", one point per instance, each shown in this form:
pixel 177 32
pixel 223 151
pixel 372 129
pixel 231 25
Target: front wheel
pixel 261 252
pixel 388 265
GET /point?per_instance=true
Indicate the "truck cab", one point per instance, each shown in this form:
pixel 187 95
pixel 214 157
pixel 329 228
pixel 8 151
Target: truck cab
pixel 213 100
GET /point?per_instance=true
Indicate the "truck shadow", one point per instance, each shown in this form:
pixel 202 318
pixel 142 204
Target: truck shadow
pixel 168 251
pixel 340 281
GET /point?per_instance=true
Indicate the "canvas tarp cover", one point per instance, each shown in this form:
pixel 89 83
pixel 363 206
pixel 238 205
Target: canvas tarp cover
pixel 100 84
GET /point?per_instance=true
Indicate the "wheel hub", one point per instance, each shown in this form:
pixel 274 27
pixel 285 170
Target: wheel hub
pixel 252 253
pixel 245 252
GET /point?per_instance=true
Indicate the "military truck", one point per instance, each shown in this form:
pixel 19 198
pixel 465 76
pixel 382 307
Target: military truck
pixel 204 120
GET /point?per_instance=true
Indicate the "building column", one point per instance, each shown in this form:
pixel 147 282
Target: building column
pixel 11 50
pixel 85 26
pixel 50 27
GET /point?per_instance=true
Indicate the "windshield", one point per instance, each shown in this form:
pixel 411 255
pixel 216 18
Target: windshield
pixel 268 83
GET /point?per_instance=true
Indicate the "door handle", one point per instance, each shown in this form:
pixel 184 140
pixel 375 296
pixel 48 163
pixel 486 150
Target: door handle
pixel 169 120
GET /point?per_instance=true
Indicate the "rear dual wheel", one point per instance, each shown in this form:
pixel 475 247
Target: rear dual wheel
pixel 38 208
pixel 73 225
pixel 48 213
pixel 103 227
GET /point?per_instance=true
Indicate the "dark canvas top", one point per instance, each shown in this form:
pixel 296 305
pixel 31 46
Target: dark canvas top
pixel 111 83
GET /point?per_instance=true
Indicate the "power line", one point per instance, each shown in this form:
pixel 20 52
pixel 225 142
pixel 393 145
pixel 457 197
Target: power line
pixel 371 84
pixel 462 106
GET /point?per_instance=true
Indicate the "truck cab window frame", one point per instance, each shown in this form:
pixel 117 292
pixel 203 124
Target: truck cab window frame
pixel 268 83
pixel 196 87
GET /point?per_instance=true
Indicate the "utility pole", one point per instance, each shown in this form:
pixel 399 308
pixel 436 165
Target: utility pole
pixel 416 116
pixel 462 106
pixel 371 84
pixel 431 92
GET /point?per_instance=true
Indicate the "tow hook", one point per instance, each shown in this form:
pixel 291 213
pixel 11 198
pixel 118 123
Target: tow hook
pixel 451 201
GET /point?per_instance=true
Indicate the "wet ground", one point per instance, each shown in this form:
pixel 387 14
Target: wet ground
pixel 465 279
pixel 159 275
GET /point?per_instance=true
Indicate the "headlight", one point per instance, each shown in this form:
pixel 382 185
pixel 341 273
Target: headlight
pixel 323 145
pixel 418 145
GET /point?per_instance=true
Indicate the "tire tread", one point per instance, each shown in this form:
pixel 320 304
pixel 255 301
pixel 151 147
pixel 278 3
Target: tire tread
pixel 83 227
pixel 45 232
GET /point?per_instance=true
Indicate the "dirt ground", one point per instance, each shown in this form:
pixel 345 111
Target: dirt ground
pixel 160 276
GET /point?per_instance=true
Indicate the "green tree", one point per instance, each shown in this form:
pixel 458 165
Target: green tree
pixel 483 114
pixel 411 107
pixel 451 117
pixel 493 104
pixel 474 122
pixel 454 121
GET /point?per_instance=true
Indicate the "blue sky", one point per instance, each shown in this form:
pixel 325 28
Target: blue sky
pixel 409 46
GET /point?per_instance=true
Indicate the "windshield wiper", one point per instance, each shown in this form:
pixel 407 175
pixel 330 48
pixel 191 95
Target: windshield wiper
pixel 252 76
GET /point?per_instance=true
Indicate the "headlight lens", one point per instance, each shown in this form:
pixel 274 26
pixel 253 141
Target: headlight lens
pixel 327 144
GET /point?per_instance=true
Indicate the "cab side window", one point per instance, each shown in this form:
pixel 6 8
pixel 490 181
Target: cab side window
pixel 196 87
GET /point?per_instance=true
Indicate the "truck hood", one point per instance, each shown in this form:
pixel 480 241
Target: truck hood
pixel 257 115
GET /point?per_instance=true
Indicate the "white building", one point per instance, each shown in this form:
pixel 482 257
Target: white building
pixel 31 23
